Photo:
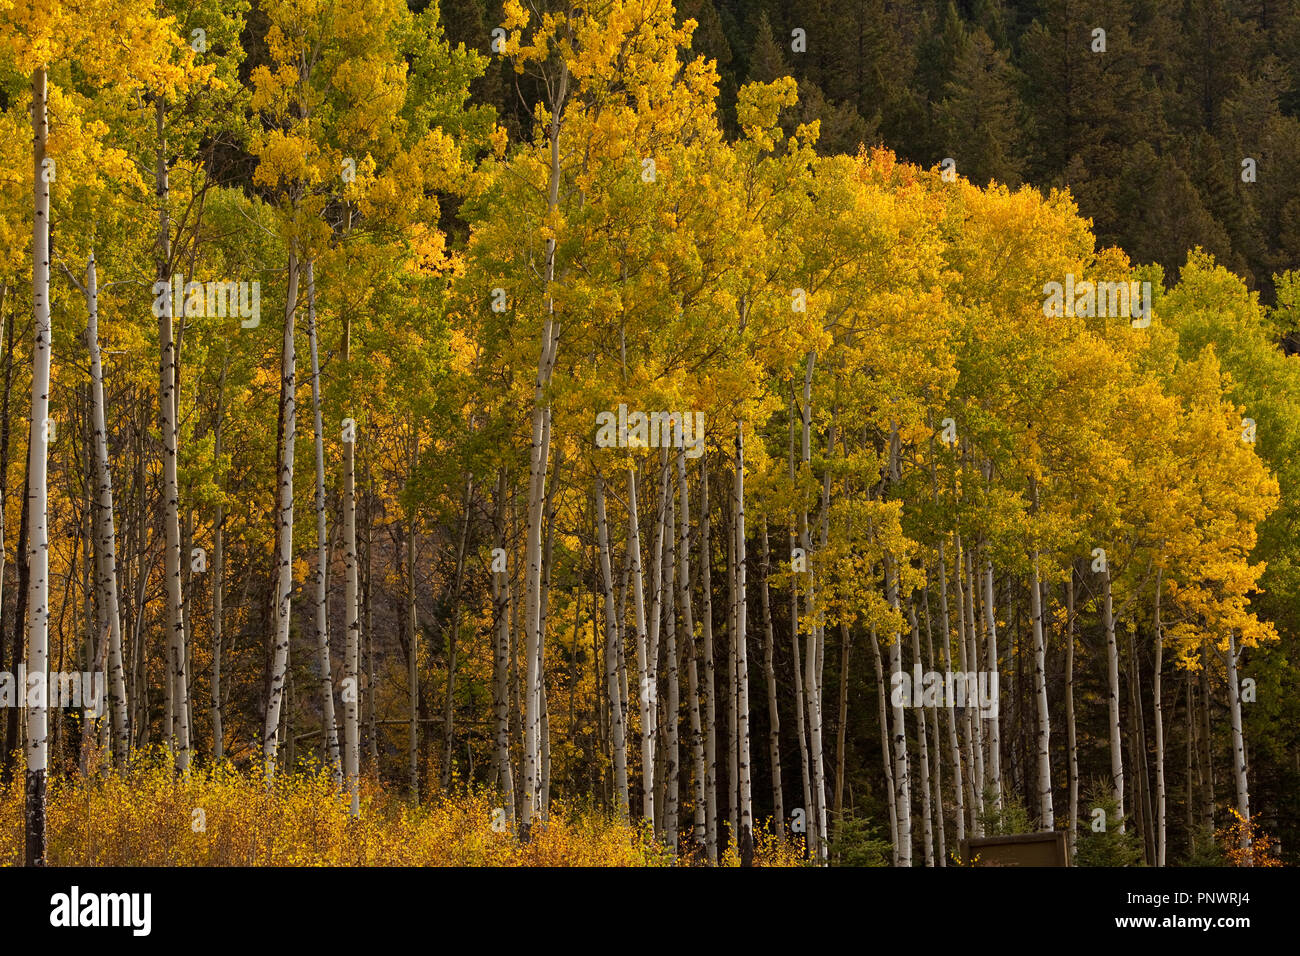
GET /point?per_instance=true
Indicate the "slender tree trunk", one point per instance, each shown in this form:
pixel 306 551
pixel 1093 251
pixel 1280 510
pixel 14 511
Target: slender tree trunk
pixel 645 694
pixel 1137 740
pixel 617 730
pixel 773 711
pixel 538 463
pixel 954 748
pixel 1206 774
pixel 351 619
pixel 902 779
pixel 5 421
pixel 923 748
pixel 733 715
pixel 38 563
pixel 969 663
pixel 177 682
pixel 933 713
pixel 449 710
pixel 742 657
pixel 218 576
pixel 284 522
pixel 684 582
pixel 995 733
pixel 1046 818
pixel 501 599
pixel 842 721
pixel 351 598
pixel 1160 725
pixel 1238 743
pixel 412 652
pixel 1112 684
pixel 672 768
pixel 655 624
pixel 1071 736
pixel 887 761
pixel 800 710
pixel 329 727
pixel 105 530
pixel 368 624
pixel 710 681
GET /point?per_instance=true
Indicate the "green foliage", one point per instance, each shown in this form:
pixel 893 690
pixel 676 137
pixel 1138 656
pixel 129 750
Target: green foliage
pixel 1204 849
pixel 856 841
pixel 1012 818
pixel 1110 847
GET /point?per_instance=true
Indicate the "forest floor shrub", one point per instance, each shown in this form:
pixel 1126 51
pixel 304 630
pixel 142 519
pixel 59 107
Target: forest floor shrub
pixel 221 816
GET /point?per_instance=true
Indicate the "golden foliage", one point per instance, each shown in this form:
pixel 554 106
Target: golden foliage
pixel 1245 843
pixel 148 816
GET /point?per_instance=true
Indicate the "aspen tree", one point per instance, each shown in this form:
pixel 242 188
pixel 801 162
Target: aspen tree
pixel 105 529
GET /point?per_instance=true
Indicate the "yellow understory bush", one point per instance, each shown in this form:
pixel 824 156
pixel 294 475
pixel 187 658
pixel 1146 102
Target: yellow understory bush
pixel 147 816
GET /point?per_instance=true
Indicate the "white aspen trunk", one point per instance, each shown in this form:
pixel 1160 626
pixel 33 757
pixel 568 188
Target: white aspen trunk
pixel 1205 772
pixel 328 725
pixel 105 530
pixel 812 700
pixel 800 710
pixel 923 751
pixel 1238 743
pixel 38 544
pixel 501 664
pixel 618 732
pixel 769 672
pixel 645 694
pixel 742 655
pixel 882 695
pixel 994 722
pixel 842 723
pixel 655 623
pixel 941 837
pixel 800 734
pixel 1159 725
pixel 954 748
pixel 684 582
pixel 815 697
pixel 218 580
pixel 284 521
pixel 902 781
pixel 733 716
pixel 449 711
pixel 624 589
pixel 1047 820
pixel 352 623
pixel 809 691
pixel 970 661
pixel 1071 739
pixel 544 795
pixel 1112 684
pixel 710 680
pixel 413 653
pixel 167 400
pixel 539 460
pixel 368 628
pixel 671 764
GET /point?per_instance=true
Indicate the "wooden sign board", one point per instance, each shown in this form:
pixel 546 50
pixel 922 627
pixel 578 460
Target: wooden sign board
pixel 1017 849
